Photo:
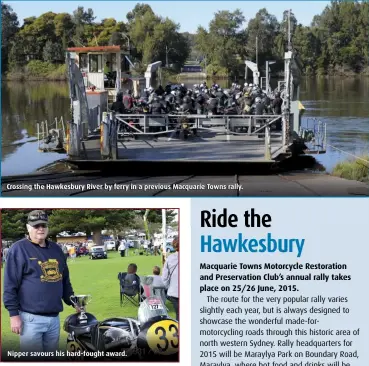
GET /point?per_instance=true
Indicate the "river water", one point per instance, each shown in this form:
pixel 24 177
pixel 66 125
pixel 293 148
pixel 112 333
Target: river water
pixel 342 103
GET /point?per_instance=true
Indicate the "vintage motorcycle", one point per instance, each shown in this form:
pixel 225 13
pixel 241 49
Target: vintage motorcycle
pixel 153 336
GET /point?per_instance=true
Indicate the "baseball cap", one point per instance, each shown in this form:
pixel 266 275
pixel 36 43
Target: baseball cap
pixel 37 217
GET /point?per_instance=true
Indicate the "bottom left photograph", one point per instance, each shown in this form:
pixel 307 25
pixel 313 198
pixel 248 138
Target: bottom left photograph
pixel 90 284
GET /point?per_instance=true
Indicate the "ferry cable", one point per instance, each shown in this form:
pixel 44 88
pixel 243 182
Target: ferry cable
pixel 345 152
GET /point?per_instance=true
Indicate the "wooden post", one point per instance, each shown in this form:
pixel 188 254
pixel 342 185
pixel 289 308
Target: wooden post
pixel 164 232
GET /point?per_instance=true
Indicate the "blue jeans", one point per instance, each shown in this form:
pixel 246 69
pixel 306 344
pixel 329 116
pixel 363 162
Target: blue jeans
pixel 39 333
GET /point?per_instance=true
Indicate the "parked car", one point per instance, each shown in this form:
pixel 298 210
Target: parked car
pixel 110 245
pixel 98 251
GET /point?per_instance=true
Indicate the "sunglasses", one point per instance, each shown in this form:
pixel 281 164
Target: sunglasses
pixel 36 217
pixel 40 225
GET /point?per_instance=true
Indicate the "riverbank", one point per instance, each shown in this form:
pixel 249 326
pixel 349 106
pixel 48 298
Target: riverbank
pixel 38 71
pixel 353 170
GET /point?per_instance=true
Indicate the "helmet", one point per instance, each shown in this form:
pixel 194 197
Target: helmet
pixel 182 84
pixel 251 85
pixel 257 100
pixel 201 85
pixel 219 89
pixel 173 92
pixel 72 324
pixel 245 84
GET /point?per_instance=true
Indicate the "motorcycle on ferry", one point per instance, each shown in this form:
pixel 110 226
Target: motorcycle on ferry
pixel 153 336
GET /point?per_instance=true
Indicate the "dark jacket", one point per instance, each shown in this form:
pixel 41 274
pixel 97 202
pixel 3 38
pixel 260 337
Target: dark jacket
pixel 36 279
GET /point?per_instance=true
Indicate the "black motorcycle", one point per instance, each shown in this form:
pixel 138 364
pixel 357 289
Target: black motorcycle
pixel 153 336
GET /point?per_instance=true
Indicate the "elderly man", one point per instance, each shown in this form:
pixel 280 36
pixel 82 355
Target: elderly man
pixel 36 279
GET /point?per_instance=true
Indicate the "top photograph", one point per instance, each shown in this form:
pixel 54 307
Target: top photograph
pixel 185 99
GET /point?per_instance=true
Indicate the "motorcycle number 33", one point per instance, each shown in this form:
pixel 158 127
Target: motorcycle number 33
pixel 162 337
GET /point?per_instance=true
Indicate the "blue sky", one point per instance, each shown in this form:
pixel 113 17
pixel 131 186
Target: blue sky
pixel 189 14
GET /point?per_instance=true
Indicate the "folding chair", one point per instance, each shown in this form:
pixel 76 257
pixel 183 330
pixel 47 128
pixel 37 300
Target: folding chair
pixel 129 288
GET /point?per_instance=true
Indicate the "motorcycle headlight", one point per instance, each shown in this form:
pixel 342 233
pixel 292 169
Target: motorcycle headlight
pixel 104 252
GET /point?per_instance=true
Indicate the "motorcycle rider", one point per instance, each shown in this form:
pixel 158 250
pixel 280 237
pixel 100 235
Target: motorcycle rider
pixel 200 102
pixel 187 105
pixel 128 100
pixel 277 109
pixel 221 97
pixel 156 107
pixel 213 103
pixel 118 105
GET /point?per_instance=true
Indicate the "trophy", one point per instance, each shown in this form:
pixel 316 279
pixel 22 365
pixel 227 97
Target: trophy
pixel 81 301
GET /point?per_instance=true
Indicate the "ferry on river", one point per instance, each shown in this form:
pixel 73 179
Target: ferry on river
pixel 95 133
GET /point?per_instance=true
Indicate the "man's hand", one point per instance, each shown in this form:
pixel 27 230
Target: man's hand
pixel 16 324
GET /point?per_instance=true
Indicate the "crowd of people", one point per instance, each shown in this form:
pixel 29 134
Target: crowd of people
pixel 201 99
pixel 169 278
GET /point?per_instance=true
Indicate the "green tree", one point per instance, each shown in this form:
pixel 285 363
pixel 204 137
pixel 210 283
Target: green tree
pixel 13 223
pixel 9 27
pixel 64 28
pixel 151 219
pixel 152 35
pixel 264 27
pixel 288 24
pixel 53 52
pixel 83 21
pixel 90 221
pixel 222 44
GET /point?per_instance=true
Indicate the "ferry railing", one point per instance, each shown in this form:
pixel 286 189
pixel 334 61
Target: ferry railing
pixel 143 124
pixel 255 125
pixel 108 137
pixel 281 85
pixel 314 134
pixel 94 118
pixel 54 133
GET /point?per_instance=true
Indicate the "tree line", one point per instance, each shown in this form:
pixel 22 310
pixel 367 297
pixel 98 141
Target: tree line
pixel 13 222
pixel 336 40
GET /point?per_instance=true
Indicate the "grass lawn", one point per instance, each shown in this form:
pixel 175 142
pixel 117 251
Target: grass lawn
pixel 99 279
